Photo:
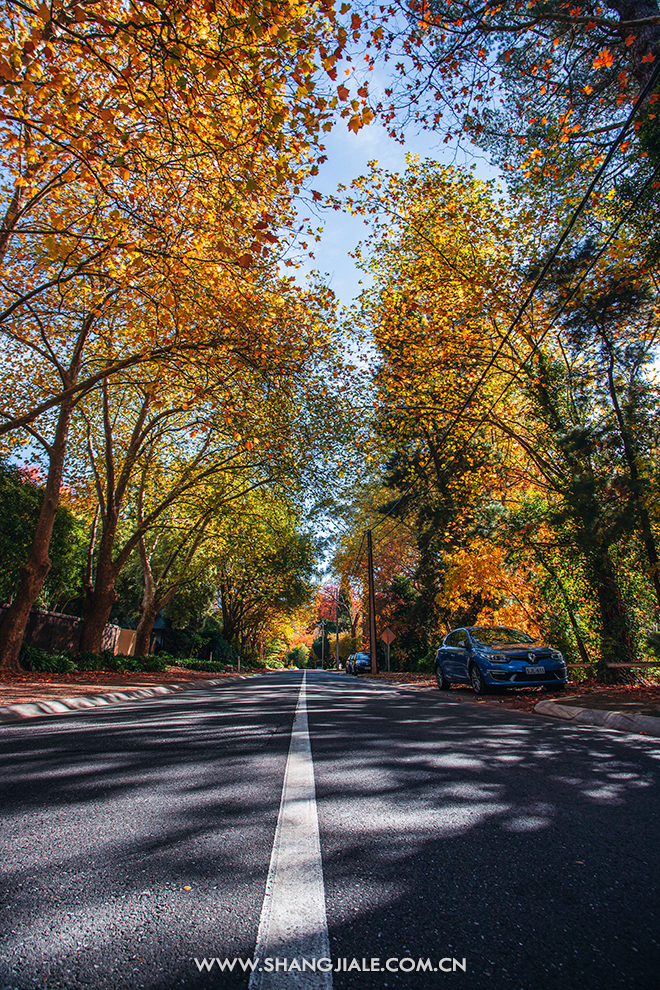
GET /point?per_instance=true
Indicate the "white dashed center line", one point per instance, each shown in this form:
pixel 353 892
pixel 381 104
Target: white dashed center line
pixel 293 922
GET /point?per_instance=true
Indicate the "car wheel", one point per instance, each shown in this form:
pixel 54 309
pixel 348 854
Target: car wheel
pixel 443 683
pixel 479 685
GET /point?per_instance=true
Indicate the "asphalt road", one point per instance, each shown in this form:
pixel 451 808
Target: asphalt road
pixel 138 838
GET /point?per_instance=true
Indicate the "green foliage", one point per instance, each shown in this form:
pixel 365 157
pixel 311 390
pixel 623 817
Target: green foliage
pixel 188 607
pixel 320 650
pixel 32 658
pixel 120 663
pixel 206 665
pixel 299 656
pixel 426 664
pixel 20 501
pixel 653 643
pixel 214 642
pixel 264 566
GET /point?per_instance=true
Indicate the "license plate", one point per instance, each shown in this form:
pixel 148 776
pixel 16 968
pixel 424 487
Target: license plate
pixel 535 670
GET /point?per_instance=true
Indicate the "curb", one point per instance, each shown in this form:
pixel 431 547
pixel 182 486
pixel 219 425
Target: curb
pixel 34 709
pixel 646 724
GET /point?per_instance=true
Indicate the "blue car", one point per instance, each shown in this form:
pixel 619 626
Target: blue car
pixel 496 657
pixel 358 663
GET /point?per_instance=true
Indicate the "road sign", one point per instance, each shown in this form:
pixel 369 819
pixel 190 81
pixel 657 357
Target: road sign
pixel 388 636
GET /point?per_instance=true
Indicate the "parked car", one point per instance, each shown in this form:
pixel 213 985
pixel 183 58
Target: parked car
pixel 496 657
pixel 358 662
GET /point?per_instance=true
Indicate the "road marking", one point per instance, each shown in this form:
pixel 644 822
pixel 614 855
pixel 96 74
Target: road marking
pixel 293 922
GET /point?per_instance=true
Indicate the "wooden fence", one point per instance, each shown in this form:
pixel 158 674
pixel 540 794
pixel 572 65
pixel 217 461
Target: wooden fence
pixel 54 631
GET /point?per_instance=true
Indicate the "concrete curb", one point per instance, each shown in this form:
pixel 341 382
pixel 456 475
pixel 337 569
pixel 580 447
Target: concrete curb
pixel 646 724
pixel 34 709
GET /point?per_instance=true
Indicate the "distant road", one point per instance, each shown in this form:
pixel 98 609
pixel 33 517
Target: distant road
pixel 422 842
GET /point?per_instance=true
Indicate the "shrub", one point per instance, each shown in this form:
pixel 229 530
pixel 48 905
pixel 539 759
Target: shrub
pixel 206 665
pixel 32 658
pixel 105 660
pixel 425 665
pixel 149 664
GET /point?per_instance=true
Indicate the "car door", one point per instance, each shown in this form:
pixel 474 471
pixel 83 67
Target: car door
pixel 449 657
pixel 461 653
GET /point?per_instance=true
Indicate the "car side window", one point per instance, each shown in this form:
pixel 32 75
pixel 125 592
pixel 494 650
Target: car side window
pixel 451 639
pixel 462 639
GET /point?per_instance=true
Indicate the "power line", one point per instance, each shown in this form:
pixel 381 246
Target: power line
pixel 358 556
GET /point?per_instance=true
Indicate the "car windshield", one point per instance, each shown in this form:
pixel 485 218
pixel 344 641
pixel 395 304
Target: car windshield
pixel 498 636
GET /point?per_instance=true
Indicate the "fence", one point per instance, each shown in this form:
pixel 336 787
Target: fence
pixel 54 631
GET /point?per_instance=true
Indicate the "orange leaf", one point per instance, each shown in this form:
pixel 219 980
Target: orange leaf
pixel 649 58
pixel 342 92
pixel 604 58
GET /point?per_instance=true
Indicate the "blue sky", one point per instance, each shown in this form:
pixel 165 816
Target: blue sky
pixel 348 154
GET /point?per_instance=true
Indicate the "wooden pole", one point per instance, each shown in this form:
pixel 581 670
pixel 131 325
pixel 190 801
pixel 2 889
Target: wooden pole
pixel 372 606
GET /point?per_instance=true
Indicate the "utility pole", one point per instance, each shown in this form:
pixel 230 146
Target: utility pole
pixel 372 606
pixel 337 625
pixel 322 643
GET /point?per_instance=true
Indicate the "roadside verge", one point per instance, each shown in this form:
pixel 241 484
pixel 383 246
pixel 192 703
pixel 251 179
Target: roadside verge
pixel 33 709
pixel 645 724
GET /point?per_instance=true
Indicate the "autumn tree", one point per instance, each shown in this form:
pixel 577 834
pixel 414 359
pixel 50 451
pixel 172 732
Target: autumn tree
pixel 150 157
pixel 203 436
pixel 487 408
pixel 264 567
pixel 531 80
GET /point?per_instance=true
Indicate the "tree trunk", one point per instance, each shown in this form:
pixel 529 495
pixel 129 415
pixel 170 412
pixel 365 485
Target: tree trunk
pixel 100 597
pixel 582 649
pixel 636 481
pixel 151 606
pixel 148 606
pixel 145 627
pixel 96 614
pixel 33 573
pixel 617 644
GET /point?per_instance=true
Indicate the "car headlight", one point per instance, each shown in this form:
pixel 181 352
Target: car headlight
pixel 491 657
pixel 556 655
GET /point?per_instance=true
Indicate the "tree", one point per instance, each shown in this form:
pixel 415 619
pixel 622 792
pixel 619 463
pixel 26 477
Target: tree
pixel 21 494
pixel 170 561
pixel 485 413
pixel 163 446
pixel 532 80
pixel 264 567
pixel 129 235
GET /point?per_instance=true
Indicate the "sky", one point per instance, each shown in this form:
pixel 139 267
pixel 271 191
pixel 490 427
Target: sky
pixel 348 154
